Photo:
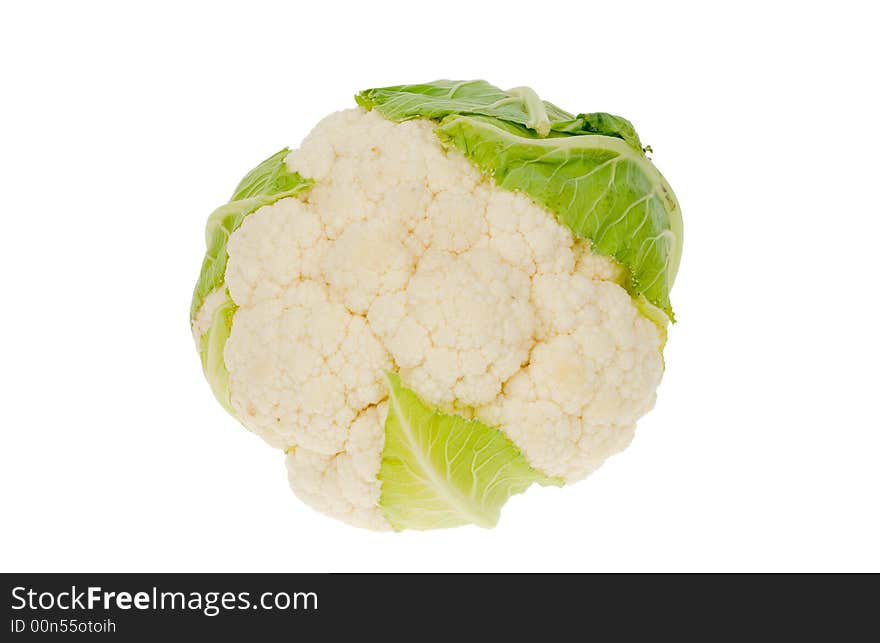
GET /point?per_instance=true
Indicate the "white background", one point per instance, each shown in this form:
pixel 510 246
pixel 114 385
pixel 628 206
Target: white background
pixel 123 127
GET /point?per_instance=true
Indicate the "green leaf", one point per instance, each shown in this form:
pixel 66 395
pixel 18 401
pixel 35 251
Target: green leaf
pixel 441 470
pixel 590 170
pixel 211 347
pixel 444 97
pixel 603 124
pixel 269 178
pixel 270 181
pixel 519 105
pixel 600 187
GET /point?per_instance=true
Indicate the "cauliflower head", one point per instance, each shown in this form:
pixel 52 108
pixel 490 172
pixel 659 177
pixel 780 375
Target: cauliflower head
pixel 444 295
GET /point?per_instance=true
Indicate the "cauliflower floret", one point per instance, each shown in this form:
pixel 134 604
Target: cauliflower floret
pixel 455 221
pixel 204 315
pixel 593 375
pixel 345 485
pixel 526 236
pixel 273 248
pixel 367 260
pixel 404 257
pixel 302 367
pixel 462 327
pixel 366 167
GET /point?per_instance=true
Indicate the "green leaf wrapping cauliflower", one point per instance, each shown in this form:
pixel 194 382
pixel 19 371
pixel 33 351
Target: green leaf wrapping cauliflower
pixel 443 296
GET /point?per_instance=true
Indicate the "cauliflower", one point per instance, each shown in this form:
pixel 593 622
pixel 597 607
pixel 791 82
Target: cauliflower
pixel 446 294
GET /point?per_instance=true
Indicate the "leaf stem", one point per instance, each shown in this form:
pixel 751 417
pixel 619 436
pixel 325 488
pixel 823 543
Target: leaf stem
pixel 534 106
